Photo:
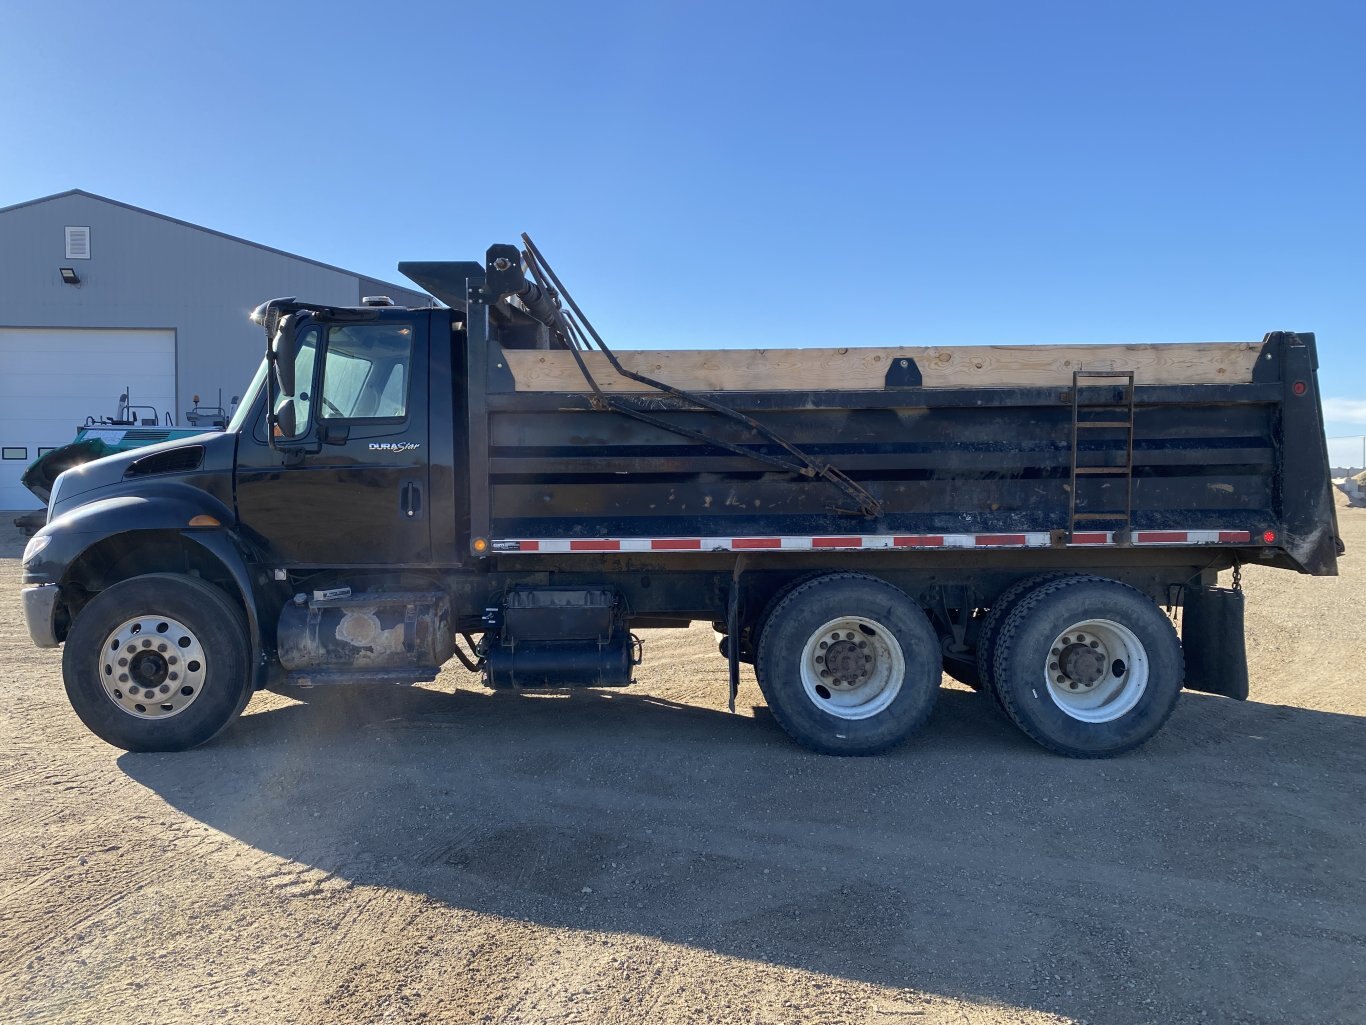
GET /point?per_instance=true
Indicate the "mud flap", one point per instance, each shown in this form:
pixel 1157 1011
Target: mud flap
pixel 1212 636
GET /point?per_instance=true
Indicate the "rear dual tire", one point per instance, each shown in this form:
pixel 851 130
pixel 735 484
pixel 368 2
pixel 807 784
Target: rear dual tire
pixel 990 631
pixel 1087 667
pixel 848 664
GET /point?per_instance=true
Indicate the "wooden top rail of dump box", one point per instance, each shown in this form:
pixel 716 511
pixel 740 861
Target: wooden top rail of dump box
pixel 860 369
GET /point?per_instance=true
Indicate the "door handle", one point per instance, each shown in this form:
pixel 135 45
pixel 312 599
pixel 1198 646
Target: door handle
pixel 410 500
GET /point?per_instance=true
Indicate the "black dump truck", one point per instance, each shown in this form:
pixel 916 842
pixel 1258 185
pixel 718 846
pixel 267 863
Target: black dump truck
pixel 486 480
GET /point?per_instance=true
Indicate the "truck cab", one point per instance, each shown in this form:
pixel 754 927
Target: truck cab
pixel 350 446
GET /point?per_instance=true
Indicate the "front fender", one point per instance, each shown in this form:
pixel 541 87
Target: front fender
pixel 169 506
pixel 162 511
pixel 245 569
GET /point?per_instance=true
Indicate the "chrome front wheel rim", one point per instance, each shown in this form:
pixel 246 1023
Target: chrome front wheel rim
pixel 152 667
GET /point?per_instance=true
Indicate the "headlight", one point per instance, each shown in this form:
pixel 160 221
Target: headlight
pixel 35 547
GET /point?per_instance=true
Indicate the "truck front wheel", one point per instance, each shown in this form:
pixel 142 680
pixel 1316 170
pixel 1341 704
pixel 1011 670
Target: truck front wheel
pixel 848 664
pixel 1088 667
pixel 158 663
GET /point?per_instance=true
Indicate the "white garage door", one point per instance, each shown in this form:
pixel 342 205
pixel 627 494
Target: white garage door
pixel 51 379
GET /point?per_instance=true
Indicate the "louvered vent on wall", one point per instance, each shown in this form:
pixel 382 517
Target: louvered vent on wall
pixel 78 243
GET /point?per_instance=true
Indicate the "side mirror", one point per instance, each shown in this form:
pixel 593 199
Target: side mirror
pixel 286 420
pixel 284 350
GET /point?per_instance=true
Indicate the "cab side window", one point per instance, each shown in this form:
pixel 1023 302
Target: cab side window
pixel 365 372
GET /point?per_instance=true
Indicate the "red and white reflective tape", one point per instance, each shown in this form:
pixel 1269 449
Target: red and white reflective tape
pixel 858 542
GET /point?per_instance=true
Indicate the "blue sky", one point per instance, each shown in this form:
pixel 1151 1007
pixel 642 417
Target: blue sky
pixel 754 174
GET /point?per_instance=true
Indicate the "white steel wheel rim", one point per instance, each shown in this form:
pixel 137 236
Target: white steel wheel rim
pixel 152 667
pixel 1096 670
pixel 852 668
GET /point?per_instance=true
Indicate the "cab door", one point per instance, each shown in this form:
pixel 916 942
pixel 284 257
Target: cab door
pixel 350 486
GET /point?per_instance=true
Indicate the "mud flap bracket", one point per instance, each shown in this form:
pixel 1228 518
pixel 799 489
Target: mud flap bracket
pixel 733 632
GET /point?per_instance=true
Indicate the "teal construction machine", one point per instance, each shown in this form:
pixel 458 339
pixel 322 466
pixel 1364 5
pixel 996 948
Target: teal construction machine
pixel 133 426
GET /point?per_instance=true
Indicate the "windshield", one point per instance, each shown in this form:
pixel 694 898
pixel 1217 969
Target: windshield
pixel 239 416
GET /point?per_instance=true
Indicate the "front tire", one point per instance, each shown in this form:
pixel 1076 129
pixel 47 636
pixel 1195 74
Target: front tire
pixel 158 663
pixel 1088 667
pixel 848 664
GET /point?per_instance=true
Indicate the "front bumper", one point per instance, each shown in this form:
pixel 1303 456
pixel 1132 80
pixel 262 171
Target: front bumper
pixel 40 609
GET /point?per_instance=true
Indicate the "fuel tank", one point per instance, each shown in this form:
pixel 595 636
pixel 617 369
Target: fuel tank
pixel 373 630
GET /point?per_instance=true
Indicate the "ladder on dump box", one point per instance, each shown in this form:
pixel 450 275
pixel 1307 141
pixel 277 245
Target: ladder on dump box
pixel 1099 416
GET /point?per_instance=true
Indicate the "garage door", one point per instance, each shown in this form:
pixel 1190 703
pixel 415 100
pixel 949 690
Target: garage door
pixel 51 379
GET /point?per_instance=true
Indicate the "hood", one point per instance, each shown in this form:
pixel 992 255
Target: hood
pixel 125 472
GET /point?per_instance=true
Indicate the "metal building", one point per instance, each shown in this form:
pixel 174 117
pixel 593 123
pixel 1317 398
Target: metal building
pixel 99 298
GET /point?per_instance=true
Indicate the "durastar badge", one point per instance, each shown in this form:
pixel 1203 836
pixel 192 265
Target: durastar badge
pixel 394 446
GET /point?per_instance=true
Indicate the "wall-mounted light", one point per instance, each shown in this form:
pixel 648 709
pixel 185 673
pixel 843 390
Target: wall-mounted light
pixel 69 276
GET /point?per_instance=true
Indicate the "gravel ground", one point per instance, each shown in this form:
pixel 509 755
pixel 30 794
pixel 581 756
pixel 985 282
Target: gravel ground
pixel 445 854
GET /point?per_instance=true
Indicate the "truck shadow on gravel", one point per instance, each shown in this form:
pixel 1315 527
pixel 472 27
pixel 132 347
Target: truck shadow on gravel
pixel 1216 872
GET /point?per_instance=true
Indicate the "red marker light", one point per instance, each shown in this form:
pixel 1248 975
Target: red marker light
pixel 1269 536
pixel 1299 387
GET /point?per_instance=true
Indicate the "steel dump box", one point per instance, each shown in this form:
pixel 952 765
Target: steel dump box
pixel 999 447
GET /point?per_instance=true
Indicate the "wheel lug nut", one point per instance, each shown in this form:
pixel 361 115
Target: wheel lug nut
pixel 824 645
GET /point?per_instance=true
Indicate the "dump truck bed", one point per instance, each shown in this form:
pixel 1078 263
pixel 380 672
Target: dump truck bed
pixel 1001 447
